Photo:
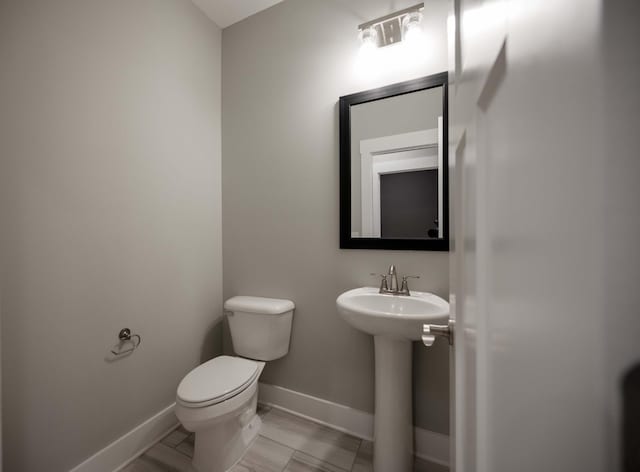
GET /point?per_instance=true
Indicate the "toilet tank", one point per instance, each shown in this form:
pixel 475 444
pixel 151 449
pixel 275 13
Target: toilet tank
pixel 260 327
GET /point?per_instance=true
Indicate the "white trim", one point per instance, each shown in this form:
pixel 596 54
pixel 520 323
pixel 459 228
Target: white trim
pixel 429 445
pixel 343 418
pixel 124 450
pixel 399 142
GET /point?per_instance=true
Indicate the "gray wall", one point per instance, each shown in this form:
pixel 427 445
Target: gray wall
pixel 283 71
pixel 110 206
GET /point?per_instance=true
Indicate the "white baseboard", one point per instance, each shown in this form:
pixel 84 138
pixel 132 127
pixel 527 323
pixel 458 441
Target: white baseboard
pixel 429 445
pixel 125 449
pixel 343 418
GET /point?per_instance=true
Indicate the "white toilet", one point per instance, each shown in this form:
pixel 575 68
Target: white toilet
pixel 217 400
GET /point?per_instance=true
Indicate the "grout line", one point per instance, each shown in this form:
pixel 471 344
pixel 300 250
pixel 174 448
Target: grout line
pixel 289 461
pixel 317 421
pixel 184 454
pixel 356 456
pixel 268 412
pixel 308 454
pixel 188 436
pixel 297 418
pixel 278 442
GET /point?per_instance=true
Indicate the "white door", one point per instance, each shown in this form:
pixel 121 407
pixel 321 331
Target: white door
pixel 545 162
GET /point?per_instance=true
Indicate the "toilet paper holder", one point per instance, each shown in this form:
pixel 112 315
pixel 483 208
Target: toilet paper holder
pixel 125 335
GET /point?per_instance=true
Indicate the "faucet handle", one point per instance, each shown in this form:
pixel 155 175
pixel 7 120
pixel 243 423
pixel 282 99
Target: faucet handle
pixel 404 288
pixel 382 276
pixel 405 277
pixel 383 281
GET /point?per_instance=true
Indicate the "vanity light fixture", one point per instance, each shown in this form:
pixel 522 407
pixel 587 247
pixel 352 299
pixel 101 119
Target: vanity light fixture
pixel 392 28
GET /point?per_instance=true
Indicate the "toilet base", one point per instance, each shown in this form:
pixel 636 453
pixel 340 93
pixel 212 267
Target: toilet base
pixel 219 449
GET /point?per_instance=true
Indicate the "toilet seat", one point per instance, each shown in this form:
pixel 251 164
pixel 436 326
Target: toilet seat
pixel 217 380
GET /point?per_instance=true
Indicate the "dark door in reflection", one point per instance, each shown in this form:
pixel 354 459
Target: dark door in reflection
pixel 409 204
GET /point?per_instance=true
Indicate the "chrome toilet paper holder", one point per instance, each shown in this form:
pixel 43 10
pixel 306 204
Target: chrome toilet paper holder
pixel 124 336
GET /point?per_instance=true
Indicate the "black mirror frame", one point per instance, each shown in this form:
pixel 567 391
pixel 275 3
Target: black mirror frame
pixel 401 88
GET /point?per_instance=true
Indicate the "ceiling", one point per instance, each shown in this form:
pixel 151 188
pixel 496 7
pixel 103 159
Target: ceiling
pixel 228 12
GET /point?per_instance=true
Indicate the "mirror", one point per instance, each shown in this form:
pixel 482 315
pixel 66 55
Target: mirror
pixel 394 167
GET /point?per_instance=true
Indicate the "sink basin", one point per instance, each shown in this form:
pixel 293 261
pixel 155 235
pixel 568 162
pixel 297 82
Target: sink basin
pixel 394 321
pixel 396 316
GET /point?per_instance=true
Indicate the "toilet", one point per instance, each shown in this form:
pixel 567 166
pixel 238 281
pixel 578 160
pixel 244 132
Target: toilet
pixel 217 400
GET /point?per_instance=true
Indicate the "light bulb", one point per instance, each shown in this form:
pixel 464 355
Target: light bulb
pixel 368 53
pixel 369 38
pixel 411 30
pixel 366 60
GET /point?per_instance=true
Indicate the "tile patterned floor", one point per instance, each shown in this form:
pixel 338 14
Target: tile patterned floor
pixel 286 443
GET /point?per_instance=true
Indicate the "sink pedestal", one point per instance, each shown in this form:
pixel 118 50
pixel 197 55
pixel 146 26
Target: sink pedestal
pixel 393 321
pixel 393 420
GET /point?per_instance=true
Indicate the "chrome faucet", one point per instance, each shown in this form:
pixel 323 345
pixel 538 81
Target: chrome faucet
pixel 393 288
pixel 394 279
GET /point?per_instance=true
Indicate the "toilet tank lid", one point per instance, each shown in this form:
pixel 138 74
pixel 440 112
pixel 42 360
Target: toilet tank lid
pixel 266 306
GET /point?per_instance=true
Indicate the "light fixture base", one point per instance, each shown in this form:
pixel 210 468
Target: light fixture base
pixel 389 28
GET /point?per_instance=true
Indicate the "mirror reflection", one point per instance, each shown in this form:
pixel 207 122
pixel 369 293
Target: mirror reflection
pixel 397 166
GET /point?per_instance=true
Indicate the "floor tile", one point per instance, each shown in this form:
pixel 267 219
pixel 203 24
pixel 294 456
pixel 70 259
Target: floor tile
pixel 421 465
pixel 240 468
pixel 364 458
pixel 174 438
pixel 160 458
pixel 265 455
pixel 186 446
pixel 304 462
pixel 287 443
pixel 319 441
pixel 141 465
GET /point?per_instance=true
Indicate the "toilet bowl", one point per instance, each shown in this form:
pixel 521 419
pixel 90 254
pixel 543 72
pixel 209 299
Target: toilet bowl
pixel 217 400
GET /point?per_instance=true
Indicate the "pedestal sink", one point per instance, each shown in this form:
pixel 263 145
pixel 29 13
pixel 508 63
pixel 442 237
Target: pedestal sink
pixel 394 321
